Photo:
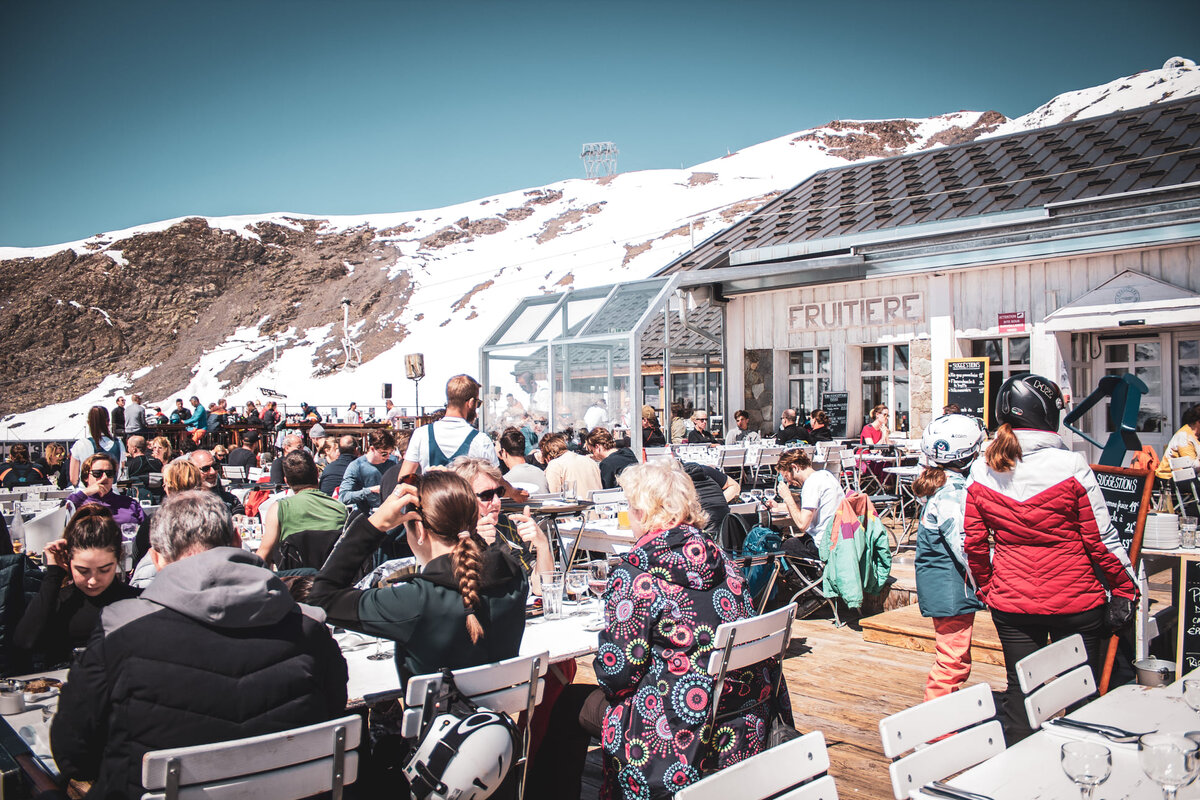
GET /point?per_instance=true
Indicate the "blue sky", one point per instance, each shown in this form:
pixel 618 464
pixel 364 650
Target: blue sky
pixel 129 111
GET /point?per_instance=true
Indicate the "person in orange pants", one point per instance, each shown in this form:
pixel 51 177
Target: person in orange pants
pixel 945 590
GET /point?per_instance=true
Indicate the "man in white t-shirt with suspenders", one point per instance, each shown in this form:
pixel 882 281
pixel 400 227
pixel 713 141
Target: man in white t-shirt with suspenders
pixel 454 435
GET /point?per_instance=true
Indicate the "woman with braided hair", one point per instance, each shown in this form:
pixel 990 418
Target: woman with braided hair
pixel 466 605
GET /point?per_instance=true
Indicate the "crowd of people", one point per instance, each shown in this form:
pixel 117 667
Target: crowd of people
pixel 206 640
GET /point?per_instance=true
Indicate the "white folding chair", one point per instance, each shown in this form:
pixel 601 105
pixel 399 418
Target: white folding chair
pixel 733 458
pixel 745 642
pixel 235 473
pixel 604 496
pixel 655 452
pixel 276 766
pixel 957 713
pixel 768 457
pixel 795 770
pixel 506 687
pixel 1053 679
pixel 46 526
pixel 1183 474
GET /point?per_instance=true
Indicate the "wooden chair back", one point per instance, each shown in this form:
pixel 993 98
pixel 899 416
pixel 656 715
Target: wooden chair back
pixel 795 770
pixel 276 766
pixel 958 714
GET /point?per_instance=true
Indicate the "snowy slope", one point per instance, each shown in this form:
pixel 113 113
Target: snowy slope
pixel 474 261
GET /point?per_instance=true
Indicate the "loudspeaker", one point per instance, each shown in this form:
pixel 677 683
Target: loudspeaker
pixel 387 391
pixel 414 366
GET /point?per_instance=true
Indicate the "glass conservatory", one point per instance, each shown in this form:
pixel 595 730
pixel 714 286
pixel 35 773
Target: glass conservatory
pixel 594 357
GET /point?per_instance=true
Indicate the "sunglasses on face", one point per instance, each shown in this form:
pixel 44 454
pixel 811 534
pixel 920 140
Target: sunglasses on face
pixel 208 468
pixel 488 495
pixel 103 473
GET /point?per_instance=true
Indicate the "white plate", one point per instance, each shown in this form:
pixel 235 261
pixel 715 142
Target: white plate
pixel 46 695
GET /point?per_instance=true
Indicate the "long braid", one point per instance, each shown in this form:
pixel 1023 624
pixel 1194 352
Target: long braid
pixel 468 563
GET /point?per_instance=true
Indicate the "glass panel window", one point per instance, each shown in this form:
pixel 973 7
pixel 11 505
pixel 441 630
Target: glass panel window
pixel 1116 352
pixel 1006 357
pixel 991 349
pixel 1018 350
pixel 1187 375
pixel 874 359
pixel 1189 349
pixel 883 385
pixel 808 376
pixel 1147 351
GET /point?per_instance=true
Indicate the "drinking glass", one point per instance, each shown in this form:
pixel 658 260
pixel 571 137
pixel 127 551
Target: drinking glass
pixel 1191 693
pixel 569 490
pixel 1087 764
pixel 1187 532
pixel 577 585
pixel 597 583
pixel 380 654
pixel 1171 760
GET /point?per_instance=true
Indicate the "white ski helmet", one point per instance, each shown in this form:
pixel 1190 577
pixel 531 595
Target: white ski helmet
pixel 952 441
pixel 462 759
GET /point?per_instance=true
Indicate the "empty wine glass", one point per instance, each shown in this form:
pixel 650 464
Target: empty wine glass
pixel 380 654
pixel 1170 760
pixel 577 584
pixel 1191 693
pixel 1087 764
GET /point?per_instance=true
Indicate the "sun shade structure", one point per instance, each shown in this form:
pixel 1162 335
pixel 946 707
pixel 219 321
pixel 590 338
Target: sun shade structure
pixel 561 354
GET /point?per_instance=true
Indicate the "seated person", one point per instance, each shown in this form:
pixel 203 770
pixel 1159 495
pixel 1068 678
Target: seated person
pixel 179 475
pixel 818 428
pixel 99 471
pixel 210 472
pixel 613 459
pixel 563 465
pixel 138 465
pixel 245 454
pixel 672 566
pixel 309 509
pixel 516 532
pixel 520 473
pixel 19 471
pixel 1184 444
pixel 790 432
pixel 820 493
pixel 716 491
pixel 58 470
pixel 741 432
pixel 80 580
pixel 466 607
pixel 215 649
pixel 652 435
pixel 699 433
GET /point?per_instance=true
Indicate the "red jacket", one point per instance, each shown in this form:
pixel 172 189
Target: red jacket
pixel 1055 549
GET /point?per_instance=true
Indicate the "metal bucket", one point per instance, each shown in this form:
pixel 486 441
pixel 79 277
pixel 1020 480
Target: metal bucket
pixel 1154 672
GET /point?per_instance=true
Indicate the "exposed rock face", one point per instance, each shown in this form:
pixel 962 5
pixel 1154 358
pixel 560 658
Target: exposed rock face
pixel 165 298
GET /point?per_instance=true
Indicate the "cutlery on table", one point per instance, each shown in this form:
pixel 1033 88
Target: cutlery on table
pixel 940 789
pixel 1110 732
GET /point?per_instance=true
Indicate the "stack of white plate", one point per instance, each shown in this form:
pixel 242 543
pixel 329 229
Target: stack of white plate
pixel 1162 532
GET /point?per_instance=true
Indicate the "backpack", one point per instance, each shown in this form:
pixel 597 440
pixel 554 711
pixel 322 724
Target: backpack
pixel 760 541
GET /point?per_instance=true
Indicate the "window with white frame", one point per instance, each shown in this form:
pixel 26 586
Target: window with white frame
pixel 885 382
pixel 1007 356
pixel 808 377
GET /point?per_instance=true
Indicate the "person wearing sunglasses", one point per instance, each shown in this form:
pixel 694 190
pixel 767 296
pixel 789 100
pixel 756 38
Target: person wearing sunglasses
pixel 210 474
pixel 98 473
pixel 515 532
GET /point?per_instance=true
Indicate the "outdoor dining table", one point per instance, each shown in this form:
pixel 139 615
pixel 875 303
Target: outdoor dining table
pixel 599 536
pixel 1031 769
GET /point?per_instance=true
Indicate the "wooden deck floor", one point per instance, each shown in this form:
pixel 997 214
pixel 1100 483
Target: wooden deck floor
pixel 842 685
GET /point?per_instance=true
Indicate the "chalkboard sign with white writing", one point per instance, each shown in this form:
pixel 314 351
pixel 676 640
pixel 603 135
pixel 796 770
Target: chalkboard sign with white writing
pixel 1188 603
pixel 967 386
pixel 835 404
pixel 1127 495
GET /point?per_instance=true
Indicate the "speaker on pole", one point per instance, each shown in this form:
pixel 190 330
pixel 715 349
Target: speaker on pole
pixel 387 391
pixel 414 366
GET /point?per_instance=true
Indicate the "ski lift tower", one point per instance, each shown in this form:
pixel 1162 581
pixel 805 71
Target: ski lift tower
pixel 599 159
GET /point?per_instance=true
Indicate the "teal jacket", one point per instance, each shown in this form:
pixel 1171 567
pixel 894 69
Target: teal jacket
pixel 855 549
pixel 944 586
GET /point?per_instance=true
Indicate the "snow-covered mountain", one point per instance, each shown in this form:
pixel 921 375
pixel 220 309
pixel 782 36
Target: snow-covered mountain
pixel 225 306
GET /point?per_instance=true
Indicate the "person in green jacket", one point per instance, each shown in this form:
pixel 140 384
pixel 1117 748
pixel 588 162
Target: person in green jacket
pixel 465 608
pixel 945 589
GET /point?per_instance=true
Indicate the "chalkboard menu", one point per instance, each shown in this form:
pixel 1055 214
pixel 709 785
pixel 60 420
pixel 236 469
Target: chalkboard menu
pixel 1188 604
pixel 967 386
pixel 835 405
pixel 1127 495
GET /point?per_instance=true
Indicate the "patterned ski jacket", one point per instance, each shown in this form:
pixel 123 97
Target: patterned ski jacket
pixel 663 604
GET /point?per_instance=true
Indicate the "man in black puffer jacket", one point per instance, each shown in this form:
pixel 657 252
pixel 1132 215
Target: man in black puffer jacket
pixel 215 649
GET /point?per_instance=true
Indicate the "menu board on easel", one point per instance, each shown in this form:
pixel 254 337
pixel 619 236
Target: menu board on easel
pixel 967 386
pixel 1127 495
pixel 1187 600
pixel 835 404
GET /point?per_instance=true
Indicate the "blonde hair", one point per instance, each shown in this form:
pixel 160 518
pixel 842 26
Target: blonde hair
pixel 467 467
pixel 181 475
pixel 165 444
pixel 663 494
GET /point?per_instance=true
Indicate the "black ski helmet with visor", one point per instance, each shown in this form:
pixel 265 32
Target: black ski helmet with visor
pixel 1030 401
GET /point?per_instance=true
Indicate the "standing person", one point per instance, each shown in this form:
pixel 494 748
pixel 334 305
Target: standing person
pixel 352 415
pixel 818 428
pixel 439 443
pixel 250 413
pixel 466 607
pixel 699 434
pixel 80 580
pixel 197 423
pixel 99 439
pixel 1054 554
pixel 613 459
pixel 360 482
pixel 945 588
pixel 215 649
pixel 178 414
pixel 135 416
pixel 118 419
pixel 596 415
pixel 270 416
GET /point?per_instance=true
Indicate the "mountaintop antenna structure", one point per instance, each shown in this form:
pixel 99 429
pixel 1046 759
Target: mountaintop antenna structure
pixel 599 158
pixel 350 350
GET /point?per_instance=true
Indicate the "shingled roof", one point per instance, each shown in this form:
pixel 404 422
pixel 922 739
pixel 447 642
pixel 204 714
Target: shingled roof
pixel 1146 148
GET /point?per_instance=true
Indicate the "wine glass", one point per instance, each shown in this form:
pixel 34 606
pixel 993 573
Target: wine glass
pixel 1170 760
pixel 1191 693
pixel 380 654
pixel 597 583
pixel 1087 764
pixel 577 584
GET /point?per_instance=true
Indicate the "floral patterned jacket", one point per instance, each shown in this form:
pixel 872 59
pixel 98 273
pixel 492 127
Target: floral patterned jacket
pixel 663 604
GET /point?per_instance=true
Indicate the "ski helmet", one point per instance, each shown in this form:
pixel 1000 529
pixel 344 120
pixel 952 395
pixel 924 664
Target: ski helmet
pixel 952 441
pixel 1030 401
pixel 462 758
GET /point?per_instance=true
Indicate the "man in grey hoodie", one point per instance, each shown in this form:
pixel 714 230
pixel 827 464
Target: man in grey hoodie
pixel 215 649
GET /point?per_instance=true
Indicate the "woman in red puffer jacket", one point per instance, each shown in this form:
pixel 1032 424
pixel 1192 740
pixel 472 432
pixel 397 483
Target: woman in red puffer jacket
pixel 1056 556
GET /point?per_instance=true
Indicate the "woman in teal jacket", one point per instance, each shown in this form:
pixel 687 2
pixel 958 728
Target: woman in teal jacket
pixel 945 590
